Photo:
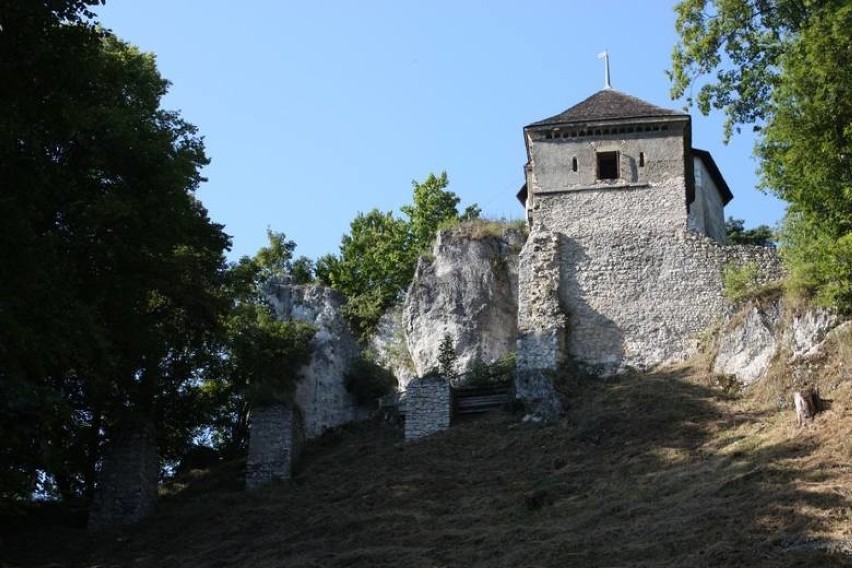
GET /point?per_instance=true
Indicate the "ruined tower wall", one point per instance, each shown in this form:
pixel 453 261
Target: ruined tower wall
pixel 610 275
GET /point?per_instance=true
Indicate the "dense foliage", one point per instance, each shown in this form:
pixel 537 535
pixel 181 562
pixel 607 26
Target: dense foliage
pixel 737 234
pixel 112 269
pixel 378 257
pixel 786 67
pixel 260 355
pixel 368 381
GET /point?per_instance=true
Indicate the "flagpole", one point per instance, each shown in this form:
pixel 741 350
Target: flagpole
pixel 605 56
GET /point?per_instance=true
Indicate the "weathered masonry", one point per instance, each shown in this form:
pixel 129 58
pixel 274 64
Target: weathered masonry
pixel 624 259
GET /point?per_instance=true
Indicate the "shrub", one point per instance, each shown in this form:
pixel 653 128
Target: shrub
pixel 739 282
pixel 500 371
pixel 368 381
pixel 447 356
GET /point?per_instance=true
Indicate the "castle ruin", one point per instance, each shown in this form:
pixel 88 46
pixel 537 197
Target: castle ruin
pixel 623 265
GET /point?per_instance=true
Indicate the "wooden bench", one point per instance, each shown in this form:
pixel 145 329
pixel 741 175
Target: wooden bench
pixel 475 400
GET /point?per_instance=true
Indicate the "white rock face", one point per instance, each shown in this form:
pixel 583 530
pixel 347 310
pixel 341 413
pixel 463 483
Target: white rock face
pixel 390 347
pixel 321 394
pixel 469 290
pixel 748 344
pixel 809 329
pixel 747 348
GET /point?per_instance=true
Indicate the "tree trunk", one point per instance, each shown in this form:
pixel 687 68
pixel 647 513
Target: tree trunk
pixel 807 405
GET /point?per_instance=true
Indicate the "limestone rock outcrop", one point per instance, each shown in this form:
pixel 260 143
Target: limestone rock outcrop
pixel 389 347
pixel 467 288
pixel 321 394
pixel 763 331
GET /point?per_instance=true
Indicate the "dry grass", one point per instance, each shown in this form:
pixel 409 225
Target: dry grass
pixel 659 469
pixel 479 229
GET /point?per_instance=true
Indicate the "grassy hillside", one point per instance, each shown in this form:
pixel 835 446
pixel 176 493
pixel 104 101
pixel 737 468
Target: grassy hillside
pixel 662 469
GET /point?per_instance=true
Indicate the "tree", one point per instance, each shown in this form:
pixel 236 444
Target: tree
pixel 737 234
pixel 740 42
pixel 376 263
pixel 432 207
pixel 302 270
pixel 260 355
pixel 379 255
pixel 111 294
pixel 447 356
pixel 785 67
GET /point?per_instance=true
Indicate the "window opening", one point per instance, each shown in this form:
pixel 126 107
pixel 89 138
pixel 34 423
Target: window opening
pixel 641 159
pixel 607 165
pixel 574 164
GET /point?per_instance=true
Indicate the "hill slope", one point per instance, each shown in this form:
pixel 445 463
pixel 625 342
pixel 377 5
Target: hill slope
pixel 661 469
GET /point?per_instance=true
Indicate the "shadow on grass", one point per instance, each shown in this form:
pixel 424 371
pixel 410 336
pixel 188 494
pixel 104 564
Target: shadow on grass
pixel 647 470
pixel 686 475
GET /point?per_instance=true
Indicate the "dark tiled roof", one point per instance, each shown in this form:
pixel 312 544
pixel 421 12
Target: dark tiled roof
pixel 606 105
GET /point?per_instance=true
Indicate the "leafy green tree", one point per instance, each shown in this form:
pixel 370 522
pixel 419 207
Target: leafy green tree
pixel 274 260
pixel 806 155
pixel 302 270
pixel 376 263
pixel 260 355
pixel 379 255
pixel 785 67
pixel 432 207
pixel 739 43
pixel 819 262
pixel 737 234
pixel 111 289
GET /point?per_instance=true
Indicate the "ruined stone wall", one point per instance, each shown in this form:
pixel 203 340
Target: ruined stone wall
pixel 634 293
pixel 271 445
pixel 610 275
pixel 427 407
pixel 542 324
pixel 127 485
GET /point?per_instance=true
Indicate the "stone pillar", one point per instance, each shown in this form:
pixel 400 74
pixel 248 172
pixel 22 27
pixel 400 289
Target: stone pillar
pixel 542 325
pixel 427 407
pixel 271 445
pixel 127 488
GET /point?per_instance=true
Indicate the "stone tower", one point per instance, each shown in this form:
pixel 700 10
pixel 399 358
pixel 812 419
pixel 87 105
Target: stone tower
pixel 623 264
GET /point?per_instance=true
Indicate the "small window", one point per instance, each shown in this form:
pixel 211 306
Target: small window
pixel 574 164
pixel 607 165
pixel 641 159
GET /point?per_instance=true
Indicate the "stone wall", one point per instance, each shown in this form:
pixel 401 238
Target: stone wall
pixel 542 324
pixel 127 487
pixel 427 407
pixel 320 394
pixel 641 298
pixel 272 445
pixel 611 278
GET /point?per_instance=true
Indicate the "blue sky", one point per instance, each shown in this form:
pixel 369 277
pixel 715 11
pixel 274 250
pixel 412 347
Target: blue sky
pixel 314 111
